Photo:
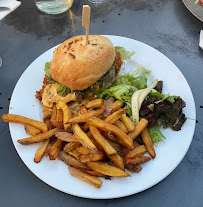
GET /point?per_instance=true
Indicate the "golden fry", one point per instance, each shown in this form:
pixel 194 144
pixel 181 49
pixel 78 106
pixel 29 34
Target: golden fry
pixel 39 137
pixel 137 160
pixel 47 112
pixel 117 160
pixel 85 127
pixel 85 117
pixel 72 161
pixel 48 123
pixel 121 126
pixel 137 152
pixel 107 169
pixel 127 122
pixel 115 105
pixel 74 153
pixel 53 120
pixel 55 149
pixel 24 120
pixel 97 103
pixel 92 180
pixel 59 116
pixel 115 116
pixel 102 141
pixel 91 157
pixel 83 110
pixel 134 168
pixel 32 130
pixel 66 112
pixel 148 142
pixel 138 128
pixel 41 150
pixel 84 139
pixel 46 153
pixel 66 136
pixel 82 150
pixel 112 128
pixel 135 144
pixel 94 173
pixel 70 146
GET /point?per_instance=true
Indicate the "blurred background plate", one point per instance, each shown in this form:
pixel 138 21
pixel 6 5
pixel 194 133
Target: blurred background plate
pixel 195 9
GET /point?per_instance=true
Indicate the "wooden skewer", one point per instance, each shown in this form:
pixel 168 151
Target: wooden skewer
pixel 86 20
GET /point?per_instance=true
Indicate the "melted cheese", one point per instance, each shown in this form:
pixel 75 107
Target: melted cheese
pixel 50 96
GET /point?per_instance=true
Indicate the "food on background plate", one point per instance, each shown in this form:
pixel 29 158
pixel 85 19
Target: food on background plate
pixel 96 121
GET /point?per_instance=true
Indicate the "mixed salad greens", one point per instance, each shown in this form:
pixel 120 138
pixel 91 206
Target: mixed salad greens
pixel 161 110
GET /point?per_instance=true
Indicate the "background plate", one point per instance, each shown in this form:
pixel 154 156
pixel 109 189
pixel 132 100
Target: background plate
pixel 169 152
pixel 195 9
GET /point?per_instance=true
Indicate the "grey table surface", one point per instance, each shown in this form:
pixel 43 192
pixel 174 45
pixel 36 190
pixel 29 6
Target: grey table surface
pixel 165 25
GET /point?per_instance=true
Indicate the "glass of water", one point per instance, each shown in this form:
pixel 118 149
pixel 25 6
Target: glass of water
pixel 53 6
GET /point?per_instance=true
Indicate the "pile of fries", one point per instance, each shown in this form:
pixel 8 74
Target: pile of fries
pixel 97 141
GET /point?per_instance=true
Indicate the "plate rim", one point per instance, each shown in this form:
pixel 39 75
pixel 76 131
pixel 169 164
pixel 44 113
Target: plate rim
pixel 186 5
pixel 125 194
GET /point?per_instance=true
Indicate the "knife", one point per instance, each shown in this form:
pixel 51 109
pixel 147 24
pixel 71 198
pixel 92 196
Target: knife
pixel 3 8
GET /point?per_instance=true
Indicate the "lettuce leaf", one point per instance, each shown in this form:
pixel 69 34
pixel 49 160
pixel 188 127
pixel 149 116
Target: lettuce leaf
pixel 167 97
pixel 62 90
pixel 155 134
pixel 46 69
pixel 124 53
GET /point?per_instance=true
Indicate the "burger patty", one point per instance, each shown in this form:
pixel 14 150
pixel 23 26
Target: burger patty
pixel 117 64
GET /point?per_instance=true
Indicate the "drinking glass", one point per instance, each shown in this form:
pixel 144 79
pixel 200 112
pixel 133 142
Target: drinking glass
pixel 53 6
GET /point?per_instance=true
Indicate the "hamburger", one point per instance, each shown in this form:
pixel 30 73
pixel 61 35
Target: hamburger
pixel 83 68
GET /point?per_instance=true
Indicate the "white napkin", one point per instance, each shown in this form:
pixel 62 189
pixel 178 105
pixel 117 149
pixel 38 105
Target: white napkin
pixel 201 39
pixel 12 4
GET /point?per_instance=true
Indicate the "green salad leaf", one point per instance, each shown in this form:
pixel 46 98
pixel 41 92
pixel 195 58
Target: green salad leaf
pixel 167 97
pixel 62 90
pixel 124 53
pixel 156 134
pixel 46 69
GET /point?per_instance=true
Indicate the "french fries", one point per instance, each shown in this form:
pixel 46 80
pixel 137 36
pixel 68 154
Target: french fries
pixel 114 129
pixel 59 116
pixel 53 120
pixel 84 139
pixel 91 157
pixel 134 168
pixel 85 136
pixel 72 161
pixel 46 153
pixel 115 105
pixel 66 137
pixel 107 169
pixel 94 173
pixel 127 122
pixel 41 150
pixel 148 142
pixel 32 130
pixel 121 126
pixel 137 152
pixel 137 160
pixel 39 137
pixel 70 146
pixel 92 180
pixel 138 128
pixel 24 120
pixel 97 103
pixel 47 112
pixel 85 117
pixel 74 153
pixel 82 150
pixel 54 151
pixel 117 160
pixel 102 141
pixel 115 116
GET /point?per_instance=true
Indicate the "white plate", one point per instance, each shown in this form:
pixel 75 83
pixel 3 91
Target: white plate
pixel 169 152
